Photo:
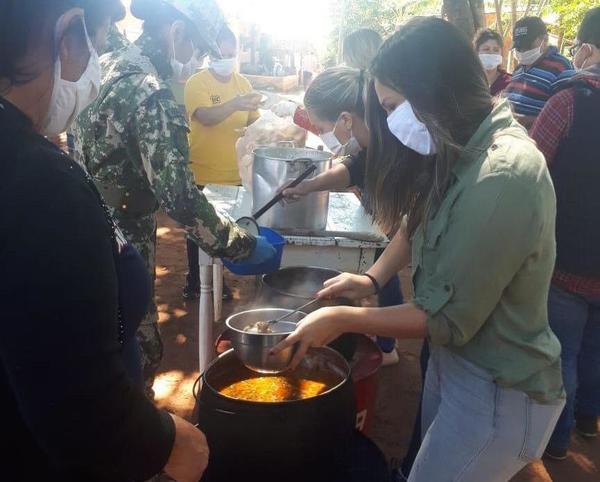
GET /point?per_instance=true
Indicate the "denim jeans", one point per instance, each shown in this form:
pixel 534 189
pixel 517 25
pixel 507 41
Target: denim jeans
pixel 475 430
pixel 390 295
pixel 576 322
pixel 415 438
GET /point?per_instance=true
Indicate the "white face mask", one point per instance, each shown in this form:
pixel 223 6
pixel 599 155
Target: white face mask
pixel 409 130
pixel 182 72
pixel 330 140
pixel 70 98
pixel 223 67
pixel 490 61
pixel 529 57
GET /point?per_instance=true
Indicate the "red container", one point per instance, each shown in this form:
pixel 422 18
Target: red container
pixel 365 364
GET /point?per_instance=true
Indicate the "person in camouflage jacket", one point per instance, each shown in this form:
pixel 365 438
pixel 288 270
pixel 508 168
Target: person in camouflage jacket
pixel 133 142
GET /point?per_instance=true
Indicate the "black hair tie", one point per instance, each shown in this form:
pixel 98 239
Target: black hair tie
pixel 375 283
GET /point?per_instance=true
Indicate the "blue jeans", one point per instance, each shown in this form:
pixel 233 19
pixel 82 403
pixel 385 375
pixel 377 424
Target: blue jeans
pixel 390 295
pixel 576 322
pixel 475 430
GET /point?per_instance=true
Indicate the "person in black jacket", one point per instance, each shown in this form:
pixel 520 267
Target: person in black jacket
pixel 71 412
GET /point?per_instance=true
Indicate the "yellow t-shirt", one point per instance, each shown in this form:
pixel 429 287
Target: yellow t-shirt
pixel 212 148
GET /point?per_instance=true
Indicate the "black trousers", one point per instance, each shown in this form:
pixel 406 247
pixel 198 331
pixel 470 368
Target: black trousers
pixel 193 275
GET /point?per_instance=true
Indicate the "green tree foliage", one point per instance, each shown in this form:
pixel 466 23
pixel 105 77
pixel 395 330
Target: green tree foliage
pixel 570 14
pixel 384 16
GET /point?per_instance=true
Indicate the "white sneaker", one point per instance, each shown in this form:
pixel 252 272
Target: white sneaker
pixel 390 358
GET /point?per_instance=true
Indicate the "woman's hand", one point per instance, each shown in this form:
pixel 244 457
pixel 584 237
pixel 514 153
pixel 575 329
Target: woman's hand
pixel 347 285
pixel 189 455
pixel 293 194
pixel 317 329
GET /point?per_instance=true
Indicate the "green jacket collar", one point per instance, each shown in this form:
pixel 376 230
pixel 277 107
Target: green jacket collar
pixel 152 49
pixel 500 118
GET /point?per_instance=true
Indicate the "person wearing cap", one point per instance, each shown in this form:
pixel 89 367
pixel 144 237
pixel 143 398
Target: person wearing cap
pixel 540 73
pixel 220 103
pixel 567 133
pixel 100 20
pixel 133 142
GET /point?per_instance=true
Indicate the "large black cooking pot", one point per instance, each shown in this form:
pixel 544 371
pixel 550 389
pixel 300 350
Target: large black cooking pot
pixel 296 285
pixel 294 441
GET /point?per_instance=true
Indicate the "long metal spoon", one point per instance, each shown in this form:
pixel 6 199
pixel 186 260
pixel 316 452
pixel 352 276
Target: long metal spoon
pixel 300 308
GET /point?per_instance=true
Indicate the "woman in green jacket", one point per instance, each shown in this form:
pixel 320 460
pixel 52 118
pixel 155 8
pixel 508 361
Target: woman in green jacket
pixel 479 229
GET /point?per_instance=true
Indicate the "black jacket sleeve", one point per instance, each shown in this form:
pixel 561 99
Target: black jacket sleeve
pixel 356 166
pixel 59 331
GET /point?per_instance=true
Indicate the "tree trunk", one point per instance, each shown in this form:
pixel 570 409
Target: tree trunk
pixel 541 6
pixel 498 6
pixel 459 13
pixel 478 13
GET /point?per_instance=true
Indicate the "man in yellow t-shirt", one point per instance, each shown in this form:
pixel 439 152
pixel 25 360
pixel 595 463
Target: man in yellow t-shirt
pixel 219 103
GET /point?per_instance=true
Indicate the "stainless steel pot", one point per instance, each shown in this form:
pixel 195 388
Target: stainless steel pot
pixel 276 166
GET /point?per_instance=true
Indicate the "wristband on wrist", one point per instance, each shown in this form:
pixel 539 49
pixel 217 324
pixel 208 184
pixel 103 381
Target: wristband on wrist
pixel 375 283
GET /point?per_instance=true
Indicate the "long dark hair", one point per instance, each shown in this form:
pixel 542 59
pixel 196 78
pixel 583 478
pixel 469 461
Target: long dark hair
pixel 433 64
pixel 27 28
pixel 396 177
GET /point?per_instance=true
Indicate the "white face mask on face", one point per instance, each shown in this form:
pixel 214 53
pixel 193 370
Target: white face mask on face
pixel 490 61
pixel 410 131
pixel 182 72
pixel 330 140
pixel 529 57
pixel 70 98
pixel 223 67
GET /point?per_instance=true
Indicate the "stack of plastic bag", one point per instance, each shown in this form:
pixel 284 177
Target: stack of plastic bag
pixel 268 131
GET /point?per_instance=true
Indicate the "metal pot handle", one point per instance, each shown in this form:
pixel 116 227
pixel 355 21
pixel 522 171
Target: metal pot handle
pixel 287 143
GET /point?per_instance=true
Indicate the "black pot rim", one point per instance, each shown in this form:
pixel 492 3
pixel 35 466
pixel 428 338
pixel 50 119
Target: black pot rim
pixel 347 378
pixel 294 295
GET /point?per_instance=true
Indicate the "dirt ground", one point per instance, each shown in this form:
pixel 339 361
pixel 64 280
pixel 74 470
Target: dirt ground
pixel 399 385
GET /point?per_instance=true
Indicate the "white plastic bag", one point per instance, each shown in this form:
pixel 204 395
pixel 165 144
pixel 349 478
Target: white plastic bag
pixel 268 131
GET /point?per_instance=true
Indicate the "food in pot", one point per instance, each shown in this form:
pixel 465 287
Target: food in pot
pixel 297 385
pixel 259 327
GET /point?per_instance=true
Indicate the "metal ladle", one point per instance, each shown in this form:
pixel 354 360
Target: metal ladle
pixel 300 308
pixel 262 326
pixel 249 222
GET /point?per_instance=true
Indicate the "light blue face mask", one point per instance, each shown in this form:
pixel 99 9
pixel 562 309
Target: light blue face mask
pixel 410 131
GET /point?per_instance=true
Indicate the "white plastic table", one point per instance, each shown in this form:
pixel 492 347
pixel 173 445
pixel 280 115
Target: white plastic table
pixel 348 244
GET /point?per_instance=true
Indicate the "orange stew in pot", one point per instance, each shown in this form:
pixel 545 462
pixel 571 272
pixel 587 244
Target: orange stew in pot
pixel 297 385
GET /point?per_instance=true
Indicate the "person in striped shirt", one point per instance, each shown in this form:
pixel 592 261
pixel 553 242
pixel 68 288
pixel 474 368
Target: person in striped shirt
pixel 541 72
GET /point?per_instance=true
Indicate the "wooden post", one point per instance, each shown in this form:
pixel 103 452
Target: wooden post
pixel 206 314
pixel 498 6
pixel 218 288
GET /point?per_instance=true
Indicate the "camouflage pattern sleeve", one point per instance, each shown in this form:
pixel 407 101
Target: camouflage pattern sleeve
pixel 115 40
pixel 161 133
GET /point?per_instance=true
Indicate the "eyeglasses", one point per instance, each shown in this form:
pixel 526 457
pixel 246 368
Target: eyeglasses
pixel 574 49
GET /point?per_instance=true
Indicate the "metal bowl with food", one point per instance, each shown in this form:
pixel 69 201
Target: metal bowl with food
pixel 252 338
pixel 294 285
